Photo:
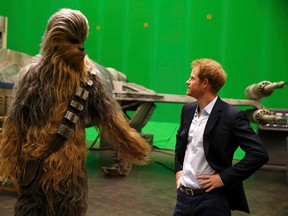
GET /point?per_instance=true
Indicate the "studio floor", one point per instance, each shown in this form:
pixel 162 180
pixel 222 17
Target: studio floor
pixel 150 190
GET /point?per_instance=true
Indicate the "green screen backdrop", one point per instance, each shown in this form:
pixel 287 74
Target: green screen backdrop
pixel 154 41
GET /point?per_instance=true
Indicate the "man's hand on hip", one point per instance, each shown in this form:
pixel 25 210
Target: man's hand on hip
pixel 178 177
pixel 210 182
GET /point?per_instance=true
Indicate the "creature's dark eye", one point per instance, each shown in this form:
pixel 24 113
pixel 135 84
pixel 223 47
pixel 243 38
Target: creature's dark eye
pixel 74 41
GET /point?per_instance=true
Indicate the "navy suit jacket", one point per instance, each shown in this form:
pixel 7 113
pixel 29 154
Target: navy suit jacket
pixel 227 129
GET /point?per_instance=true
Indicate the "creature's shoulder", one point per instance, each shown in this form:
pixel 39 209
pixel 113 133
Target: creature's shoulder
pixel 31 67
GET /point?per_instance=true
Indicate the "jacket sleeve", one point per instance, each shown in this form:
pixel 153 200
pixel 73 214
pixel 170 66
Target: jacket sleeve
pixel 179 140
pixel 255 153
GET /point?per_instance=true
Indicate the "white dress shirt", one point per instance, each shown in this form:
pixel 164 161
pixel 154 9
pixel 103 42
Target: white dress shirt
pixel 195 163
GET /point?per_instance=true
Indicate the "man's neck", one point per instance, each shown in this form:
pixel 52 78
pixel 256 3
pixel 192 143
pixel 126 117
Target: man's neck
pixel 204 101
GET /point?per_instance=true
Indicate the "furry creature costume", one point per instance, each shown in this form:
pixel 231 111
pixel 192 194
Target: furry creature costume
pixel 42 94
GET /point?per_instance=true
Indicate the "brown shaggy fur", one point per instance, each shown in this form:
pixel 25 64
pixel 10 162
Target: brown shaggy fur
pixel 42 94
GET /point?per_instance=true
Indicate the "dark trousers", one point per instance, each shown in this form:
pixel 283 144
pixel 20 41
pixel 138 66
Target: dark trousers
pixel 214 203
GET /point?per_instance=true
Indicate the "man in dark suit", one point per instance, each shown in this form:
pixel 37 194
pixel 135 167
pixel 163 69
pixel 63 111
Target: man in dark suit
pixel 210 131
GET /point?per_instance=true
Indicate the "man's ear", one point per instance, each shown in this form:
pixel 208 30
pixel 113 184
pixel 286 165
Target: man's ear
pixel 205 82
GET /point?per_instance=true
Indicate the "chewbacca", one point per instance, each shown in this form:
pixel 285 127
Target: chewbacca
pixel 44 91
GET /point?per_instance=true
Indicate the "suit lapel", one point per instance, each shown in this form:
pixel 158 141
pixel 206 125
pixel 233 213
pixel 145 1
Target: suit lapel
pixel 190 114
pixel 213 118
pixel 214 115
